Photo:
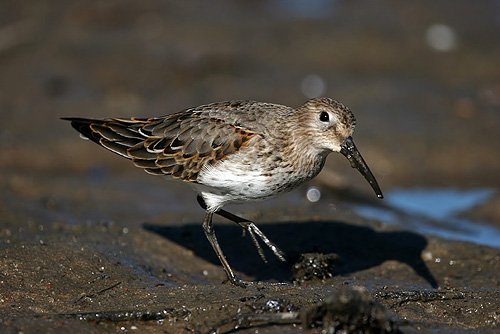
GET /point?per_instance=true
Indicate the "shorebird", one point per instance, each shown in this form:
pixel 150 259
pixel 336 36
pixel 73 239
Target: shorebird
pixel 234 152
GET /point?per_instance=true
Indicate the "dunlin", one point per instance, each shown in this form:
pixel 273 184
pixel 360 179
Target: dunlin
pixel 234 152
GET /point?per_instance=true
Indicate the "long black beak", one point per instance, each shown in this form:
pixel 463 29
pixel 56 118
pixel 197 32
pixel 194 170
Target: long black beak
pixel 349 150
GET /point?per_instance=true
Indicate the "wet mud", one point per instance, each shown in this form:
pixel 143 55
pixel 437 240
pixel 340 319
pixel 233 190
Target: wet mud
pixel 99 276
pixel 90 244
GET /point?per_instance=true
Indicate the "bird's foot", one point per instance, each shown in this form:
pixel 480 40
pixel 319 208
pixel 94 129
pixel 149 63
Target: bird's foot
pixel 253 230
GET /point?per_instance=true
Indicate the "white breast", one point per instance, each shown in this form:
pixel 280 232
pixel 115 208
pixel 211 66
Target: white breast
pixel 255 174
pixel 232 181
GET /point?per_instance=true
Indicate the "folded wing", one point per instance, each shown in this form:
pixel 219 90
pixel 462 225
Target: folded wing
pixel 177 145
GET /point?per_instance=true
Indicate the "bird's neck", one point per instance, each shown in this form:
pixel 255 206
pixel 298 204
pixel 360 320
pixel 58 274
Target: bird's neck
pixel 308 161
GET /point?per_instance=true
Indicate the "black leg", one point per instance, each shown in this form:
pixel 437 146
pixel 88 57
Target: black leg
pixel 252 230
pixel 208 228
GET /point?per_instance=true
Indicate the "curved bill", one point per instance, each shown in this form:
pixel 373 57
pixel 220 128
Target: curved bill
pixel 349 150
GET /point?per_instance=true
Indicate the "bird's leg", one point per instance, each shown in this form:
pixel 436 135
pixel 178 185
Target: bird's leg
pixel 208 228
pixel 252 230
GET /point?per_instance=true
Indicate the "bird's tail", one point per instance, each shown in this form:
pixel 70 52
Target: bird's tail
pixel 116 135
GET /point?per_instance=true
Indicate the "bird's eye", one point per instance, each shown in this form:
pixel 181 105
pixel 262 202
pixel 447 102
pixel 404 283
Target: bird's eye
pixel 324 117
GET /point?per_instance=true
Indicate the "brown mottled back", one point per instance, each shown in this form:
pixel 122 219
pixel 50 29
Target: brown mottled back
pixel 177 145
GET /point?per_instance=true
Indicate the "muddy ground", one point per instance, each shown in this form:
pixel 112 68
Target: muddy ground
pixel 89 244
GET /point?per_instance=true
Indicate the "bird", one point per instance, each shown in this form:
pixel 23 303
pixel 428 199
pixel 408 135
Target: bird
pixel 234 152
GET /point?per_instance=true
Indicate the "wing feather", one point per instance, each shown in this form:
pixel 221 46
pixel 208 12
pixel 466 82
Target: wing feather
pixel 177 145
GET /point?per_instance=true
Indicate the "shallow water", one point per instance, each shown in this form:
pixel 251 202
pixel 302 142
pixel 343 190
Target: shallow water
pixel 434 211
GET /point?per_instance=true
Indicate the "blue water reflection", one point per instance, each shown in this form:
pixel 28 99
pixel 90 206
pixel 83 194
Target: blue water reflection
pixel 434 211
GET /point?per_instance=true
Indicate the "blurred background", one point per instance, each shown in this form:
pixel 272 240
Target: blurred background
pixel 422 78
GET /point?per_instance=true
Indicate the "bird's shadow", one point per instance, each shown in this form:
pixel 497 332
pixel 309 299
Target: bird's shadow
pixel 359 247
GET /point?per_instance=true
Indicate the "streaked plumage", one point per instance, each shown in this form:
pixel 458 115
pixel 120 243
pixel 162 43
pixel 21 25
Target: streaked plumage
pixel 232 152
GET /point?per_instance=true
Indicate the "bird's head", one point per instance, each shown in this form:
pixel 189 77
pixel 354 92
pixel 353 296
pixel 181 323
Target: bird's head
pixel 327 125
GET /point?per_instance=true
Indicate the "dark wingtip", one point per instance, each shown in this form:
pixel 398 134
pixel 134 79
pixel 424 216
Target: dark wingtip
pixel 82 125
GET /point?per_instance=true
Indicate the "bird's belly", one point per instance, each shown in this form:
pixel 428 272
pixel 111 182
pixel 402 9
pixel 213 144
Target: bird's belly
pixel 234 182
